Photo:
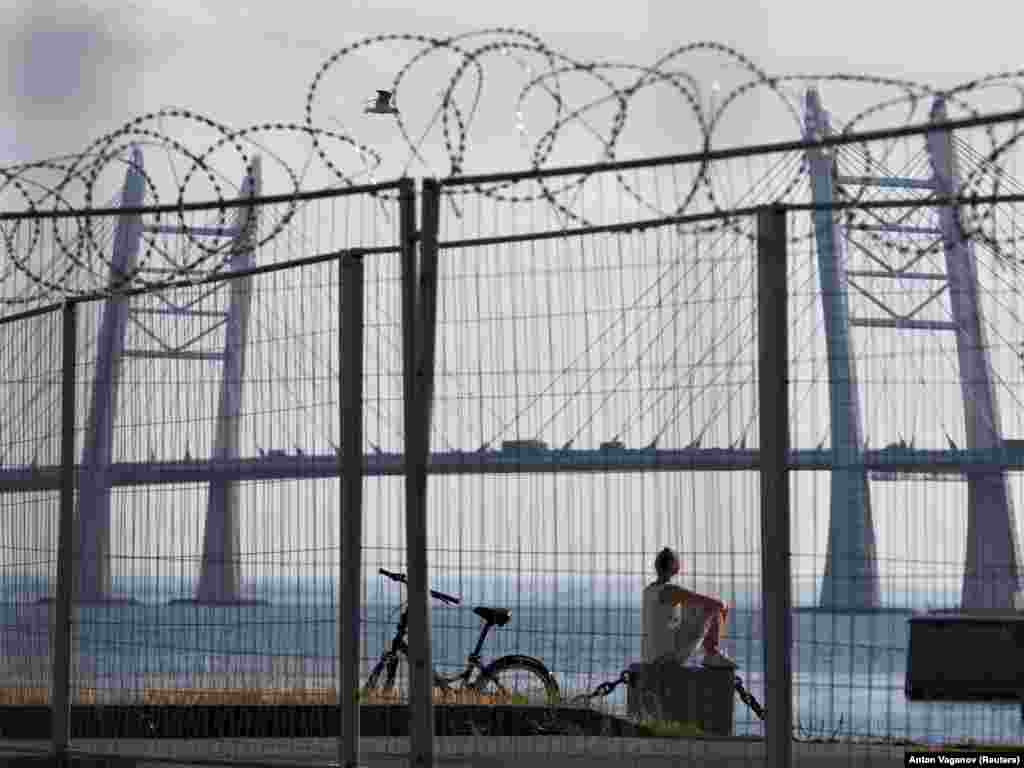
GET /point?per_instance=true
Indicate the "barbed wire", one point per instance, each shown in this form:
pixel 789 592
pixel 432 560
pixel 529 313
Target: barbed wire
pixel 456 112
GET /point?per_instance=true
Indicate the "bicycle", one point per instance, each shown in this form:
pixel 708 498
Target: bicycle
pixel 496 680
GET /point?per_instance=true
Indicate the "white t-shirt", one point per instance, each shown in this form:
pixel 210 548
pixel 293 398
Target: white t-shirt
pixel 669 630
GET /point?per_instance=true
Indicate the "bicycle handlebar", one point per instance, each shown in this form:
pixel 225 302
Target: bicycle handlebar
pixel 439 595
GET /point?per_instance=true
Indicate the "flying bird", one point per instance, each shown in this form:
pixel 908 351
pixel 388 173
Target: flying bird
pixel 382 105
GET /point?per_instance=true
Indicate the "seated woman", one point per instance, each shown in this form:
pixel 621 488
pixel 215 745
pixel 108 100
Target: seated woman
pixel 676 621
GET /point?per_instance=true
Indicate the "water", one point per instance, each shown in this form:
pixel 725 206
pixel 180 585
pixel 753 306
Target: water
pixel 848 669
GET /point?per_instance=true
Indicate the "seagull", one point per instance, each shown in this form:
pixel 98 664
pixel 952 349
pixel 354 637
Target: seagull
pixel 383 105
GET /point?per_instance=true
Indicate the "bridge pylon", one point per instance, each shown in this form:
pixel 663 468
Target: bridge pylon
pixel 93 534
pixel 219 578
pixel 851 565
pixel 992 558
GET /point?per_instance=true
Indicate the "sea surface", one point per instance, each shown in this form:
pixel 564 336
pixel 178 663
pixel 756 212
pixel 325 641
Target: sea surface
pixel 848 669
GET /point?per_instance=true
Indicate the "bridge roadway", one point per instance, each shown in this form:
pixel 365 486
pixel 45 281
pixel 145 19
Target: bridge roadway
pixel 891 461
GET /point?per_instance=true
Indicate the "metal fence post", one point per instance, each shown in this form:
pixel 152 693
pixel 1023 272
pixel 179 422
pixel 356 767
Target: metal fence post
pixel 60 676
pixel 773 410
pixel 351 528
pixel 418 315
pixel 421 714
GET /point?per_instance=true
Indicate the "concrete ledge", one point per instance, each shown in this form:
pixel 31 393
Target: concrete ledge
pixel 471 752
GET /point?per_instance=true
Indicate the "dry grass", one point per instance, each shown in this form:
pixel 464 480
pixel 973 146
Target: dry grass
pixel 295 697
pixel 236 696
pixel 250 697
pixel 458 696
pixel 470 697
pixel 40 697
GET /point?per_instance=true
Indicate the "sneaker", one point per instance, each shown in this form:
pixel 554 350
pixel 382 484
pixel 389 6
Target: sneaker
pixel 718 660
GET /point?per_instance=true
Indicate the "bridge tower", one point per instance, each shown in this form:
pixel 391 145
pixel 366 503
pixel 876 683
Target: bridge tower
pixel 992 559
pixel 851 565
pixel 94 582
pixel 219 576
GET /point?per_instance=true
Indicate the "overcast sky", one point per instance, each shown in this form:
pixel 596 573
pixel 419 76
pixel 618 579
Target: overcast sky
pixel 76 72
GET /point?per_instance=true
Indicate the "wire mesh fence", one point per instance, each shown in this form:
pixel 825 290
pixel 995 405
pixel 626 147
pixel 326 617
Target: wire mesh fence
pixel 32 379
pixel 207 448
pixel 595 398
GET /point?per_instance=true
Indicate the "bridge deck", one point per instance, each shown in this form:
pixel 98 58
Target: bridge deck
pixel 891 461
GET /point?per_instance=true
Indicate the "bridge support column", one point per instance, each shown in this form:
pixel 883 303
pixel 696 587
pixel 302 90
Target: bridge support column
pixel 93 533
pixel 220 572
pixel 851 566
pixel 992 560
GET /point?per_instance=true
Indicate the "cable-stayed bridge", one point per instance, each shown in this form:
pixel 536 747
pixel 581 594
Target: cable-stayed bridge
pixel 950 309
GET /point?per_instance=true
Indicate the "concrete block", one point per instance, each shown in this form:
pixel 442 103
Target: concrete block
pixel 689 694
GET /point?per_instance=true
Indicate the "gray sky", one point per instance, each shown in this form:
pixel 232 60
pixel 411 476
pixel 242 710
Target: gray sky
pixel 77 72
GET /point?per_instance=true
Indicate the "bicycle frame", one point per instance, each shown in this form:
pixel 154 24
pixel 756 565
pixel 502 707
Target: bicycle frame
pixel 400 647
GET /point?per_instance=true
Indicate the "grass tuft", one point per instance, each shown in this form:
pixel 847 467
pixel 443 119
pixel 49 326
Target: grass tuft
pixel 669 729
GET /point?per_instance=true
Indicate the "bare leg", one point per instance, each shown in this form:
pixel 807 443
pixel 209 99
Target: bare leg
pixel 713 655
pixel 715 632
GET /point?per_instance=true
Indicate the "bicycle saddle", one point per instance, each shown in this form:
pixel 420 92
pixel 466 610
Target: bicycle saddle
pixel 499 616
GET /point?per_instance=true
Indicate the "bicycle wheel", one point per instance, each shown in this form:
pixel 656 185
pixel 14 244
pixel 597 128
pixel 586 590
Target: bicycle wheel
pixel 518 680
